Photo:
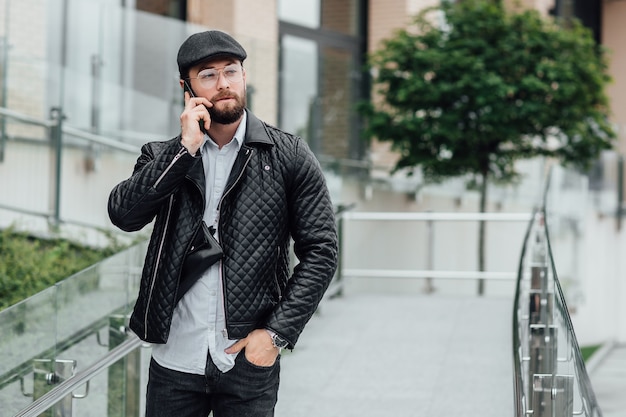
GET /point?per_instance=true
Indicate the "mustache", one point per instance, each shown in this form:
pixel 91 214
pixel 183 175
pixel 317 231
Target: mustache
pixel 223 95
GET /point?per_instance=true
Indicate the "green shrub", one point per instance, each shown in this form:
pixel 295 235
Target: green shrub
pixel 588 351
pixel 29 265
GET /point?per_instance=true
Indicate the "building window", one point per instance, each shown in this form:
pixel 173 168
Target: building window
pixel 176 9
pixel 322 53
pixel 299 94
pixel 300 12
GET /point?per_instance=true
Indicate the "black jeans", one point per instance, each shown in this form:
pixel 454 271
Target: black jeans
pixel 247 390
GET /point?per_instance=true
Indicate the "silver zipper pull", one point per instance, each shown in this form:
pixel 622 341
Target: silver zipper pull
pixel 180 153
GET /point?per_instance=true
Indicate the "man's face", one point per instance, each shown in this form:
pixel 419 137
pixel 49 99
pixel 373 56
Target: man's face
pixel 223 82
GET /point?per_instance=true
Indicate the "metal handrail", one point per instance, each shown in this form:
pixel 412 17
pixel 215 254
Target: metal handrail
pixel 438 216
pixel 101 140
pixel 26 118
pixel 522 396
pixel 56 129
pixel 71 131
pixel 518 382
pixel 66 387
pixel 591 408
pixel 428 273
pixel 432 217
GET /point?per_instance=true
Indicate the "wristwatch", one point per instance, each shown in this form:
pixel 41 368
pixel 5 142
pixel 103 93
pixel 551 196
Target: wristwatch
pixel 278 341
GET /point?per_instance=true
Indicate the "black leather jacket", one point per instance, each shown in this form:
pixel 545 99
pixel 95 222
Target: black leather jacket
pixel 276 190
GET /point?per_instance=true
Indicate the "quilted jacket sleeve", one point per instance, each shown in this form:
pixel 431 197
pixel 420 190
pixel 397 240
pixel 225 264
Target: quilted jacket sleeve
pixel 159 171
pixel 314 231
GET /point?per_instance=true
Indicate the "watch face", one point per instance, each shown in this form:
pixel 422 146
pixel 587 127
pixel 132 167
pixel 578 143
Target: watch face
pixel 279 342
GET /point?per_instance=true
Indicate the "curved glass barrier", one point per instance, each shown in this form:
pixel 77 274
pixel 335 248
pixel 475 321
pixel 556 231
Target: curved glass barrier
pixel 550 377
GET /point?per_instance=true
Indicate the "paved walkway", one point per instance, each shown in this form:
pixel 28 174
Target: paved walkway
pixel 607 372
pixel 370 355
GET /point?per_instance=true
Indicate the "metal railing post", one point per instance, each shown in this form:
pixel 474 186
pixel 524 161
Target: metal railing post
pixel 543 354
pixel 47 373
pixel 56 142
pixel 430 262
pixel 124 382
pixel 553 395
pixel 339 274
pixel 64 388
pixel 620 191
pixel 4 81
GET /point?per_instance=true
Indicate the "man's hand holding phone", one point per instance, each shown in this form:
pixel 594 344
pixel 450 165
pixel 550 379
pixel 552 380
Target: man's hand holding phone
pixel 195 121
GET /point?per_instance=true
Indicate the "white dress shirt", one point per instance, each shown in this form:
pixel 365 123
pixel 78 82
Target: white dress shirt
pixel 199 322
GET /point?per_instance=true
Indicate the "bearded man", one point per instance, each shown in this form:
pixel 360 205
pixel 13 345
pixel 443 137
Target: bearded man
pixel 216 298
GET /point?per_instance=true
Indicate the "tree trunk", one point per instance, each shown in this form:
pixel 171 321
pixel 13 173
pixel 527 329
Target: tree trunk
pixel 481 233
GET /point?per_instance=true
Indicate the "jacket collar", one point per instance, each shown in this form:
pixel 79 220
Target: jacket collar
pixel 256 131
pixel 256 134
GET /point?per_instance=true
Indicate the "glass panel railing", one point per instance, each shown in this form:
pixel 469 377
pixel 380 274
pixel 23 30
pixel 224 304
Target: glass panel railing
pixel 550 374
pixel 65 329
pixel 28 333
pixel 89 353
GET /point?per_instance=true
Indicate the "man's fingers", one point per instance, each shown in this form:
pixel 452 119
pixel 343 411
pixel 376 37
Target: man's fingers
pixel 196 109
pixel 236 347
pixel 193 102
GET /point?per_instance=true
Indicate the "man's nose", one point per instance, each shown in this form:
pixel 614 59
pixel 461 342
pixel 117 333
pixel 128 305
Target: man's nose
pixel 222 82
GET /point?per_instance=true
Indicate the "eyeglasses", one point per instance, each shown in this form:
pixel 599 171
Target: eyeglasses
pixel 208 77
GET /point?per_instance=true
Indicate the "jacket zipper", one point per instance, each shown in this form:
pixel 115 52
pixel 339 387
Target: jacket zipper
pixel 278 290
pixel 180 153
pixel 156 264
pixel 249 152
pixel 198 227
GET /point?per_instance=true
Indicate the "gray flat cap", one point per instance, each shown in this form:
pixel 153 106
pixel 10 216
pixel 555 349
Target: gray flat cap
pixel 205 45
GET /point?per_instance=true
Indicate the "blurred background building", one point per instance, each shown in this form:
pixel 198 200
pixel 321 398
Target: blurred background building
pixel 107 70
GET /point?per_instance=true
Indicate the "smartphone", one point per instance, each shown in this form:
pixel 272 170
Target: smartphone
pixel 187 88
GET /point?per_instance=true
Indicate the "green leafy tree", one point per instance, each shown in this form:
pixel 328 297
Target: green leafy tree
pixel 469 88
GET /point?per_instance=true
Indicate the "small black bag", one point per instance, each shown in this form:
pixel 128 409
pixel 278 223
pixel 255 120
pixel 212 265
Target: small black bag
pixel 204 252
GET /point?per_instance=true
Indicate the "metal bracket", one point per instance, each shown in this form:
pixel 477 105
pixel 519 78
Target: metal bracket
pixel 553 395
pixel 47 373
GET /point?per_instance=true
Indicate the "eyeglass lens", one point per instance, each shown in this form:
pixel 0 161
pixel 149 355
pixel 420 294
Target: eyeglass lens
pixel 208 77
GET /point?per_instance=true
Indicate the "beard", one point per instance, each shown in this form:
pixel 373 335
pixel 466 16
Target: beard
pixel 230 113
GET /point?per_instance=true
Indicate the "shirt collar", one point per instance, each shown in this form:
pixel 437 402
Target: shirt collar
pixel 240 133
